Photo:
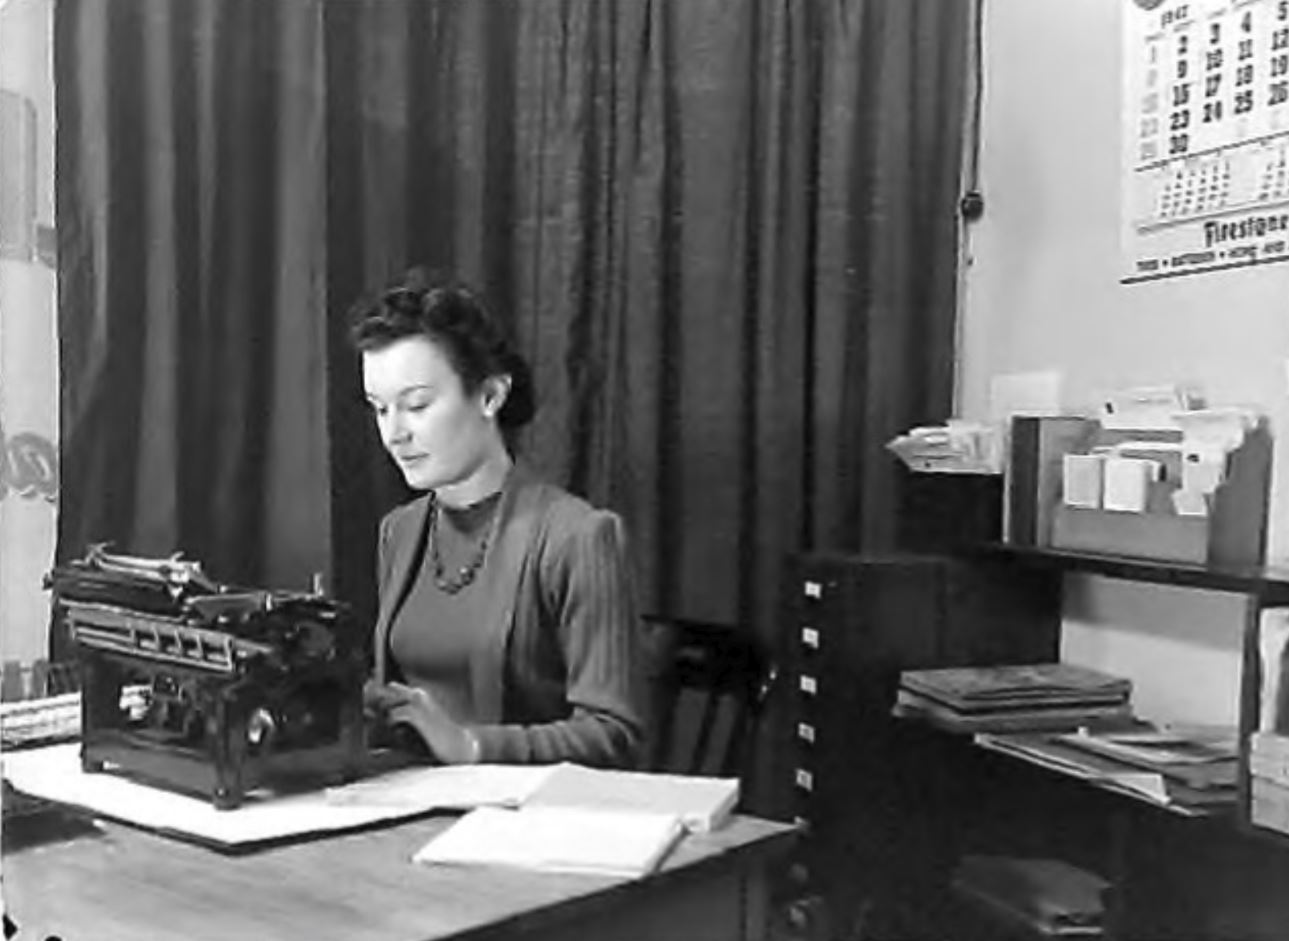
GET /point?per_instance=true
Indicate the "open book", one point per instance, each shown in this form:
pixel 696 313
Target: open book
pixel 557 839
pixel 702 804
pixel 579 819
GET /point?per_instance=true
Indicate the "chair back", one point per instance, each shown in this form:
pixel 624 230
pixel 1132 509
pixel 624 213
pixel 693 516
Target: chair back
pixel 711 683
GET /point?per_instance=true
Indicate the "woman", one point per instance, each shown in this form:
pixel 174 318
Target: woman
pixel 507 629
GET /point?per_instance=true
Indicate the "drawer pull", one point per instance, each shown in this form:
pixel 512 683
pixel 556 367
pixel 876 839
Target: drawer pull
pixel 810 637
pixel 806 732
pixel 813 589
pixel 805 780
pixel 809 685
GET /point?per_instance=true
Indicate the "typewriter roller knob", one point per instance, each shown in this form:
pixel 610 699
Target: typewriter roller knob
pixel 260 727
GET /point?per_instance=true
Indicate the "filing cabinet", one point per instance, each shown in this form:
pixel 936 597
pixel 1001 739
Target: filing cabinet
pixel 874 794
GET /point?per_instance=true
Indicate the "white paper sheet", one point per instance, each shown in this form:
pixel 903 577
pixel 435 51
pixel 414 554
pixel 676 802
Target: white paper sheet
pixel 54 773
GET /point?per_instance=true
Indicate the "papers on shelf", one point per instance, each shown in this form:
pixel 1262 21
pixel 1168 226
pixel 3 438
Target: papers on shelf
pixel 1222 427
pixel 1147 407
pixel 1039 750
pixel 557 839
pixel 958 447
pixel 1191 788
pixel 1154 747
pixel 986 687
pixel 1011 718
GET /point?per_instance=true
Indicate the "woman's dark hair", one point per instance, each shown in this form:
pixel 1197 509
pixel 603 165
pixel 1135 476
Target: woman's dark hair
pixel 460 324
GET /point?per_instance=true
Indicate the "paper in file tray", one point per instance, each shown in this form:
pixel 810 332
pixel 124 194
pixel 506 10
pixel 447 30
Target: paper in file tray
pixel 970 689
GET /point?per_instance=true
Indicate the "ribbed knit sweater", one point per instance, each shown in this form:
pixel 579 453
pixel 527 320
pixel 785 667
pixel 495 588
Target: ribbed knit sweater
pixel 560 673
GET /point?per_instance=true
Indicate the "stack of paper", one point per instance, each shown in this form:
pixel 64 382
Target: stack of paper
pixel 958 447
pixel 1008 698
pixel 557 839
pixel 54 773
pixel 1172 769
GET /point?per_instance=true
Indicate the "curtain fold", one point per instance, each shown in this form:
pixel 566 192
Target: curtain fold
pixel 723 231
pixel 890 116
pixel 192 335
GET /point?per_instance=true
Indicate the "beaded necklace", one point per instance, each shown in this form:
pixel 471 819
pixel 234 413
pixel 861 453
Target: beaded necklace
pixel 465 575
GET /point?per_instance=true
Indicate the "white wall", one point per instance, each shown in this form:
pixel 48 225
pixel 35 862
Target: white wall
pixel 1042 291
pixel 28 353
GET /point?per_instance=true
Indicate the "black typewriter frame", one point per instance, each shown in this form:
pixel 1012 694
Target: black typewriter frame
pixel 227 767
pixel 268 683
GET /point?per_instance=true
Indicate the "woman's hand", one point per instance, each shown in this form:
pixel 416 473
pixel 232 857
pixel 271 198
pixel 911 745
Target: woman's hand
pixel 448 740
pixel 379 698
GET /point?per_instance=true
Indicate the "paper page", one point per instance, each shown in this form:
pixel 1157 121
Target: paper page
pixel 1043 758
pixel 55 774
pixel 703 803
pixel 1152 748
pixel 1145 784
pixel 446 787
pixel 556 839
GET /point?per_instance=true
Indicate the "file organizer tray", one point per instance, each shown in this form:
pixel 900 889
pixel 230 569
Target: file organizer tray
pixel 1232 535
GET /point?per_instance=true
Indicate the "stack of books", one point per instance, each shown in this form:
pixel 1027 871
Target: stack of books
pixel 1013 698
pixel 1269 780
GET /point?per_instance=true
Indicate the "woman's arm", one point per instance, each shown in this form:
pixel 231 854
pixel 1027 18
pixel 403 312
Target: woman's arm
pixel 585 576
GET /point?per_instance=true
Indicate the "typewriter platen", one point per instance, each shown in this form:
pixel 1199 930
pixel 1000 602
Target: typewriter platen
pixel 241 688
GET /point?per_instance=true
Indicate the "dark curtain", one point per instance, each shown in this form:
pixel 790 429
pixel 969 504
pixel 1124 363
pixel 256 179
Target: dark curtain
pixel 191 284
pixel 724 231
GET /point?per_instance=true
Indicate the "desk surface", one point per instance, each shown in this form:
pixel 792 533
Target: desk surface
pixel 118 882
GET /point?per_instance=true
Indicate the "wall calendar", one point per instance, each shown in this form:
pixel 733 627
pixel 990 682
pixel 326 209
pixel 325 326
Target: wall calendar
pixel 1206 136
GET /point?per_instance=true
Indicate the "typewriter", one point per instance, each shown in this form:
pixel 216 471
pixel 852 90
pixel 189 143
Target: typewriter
pixel 241 688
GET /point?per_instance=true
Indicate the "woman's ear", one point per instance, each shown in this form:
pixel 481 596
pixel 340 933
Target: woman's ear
pixel 495 390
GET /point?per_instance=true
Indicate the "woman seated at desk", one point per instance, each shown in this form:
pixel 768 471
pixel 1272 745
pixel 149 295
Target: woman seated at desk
pixel 507 629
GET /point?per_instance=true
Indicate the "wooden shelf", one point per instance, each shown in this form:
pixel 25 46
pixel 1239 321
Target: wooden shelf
pixel 1269 584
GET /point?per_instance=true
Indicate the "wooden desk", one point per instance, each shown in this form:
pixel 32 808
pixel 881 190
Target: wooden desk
pixel 122 883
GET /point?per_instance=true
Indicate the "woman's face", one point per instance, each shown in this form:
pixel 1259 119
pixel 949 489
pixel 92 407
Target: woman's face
pixel 437 434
